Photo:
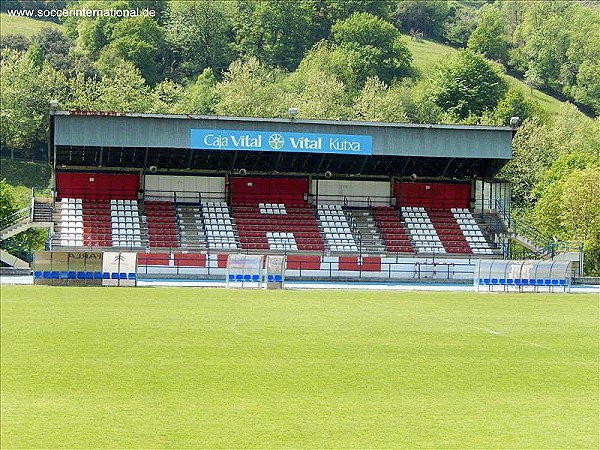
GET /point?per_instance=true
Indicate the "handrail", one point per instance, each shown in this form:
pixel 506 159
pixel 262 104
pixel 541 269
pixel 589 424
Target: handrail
pixel 505 215
pixel 17 216
pixel 523 228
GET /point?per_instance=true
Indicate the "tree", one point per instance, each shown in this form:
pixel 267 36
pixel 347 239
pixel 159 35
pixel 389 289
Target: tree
pixel 490 37
pixel 329 58
pixel 569 207
pixel 426 16
pixel 8 204
pixel 378 102
pixel 16 42
pixel 141 41
pixel 466 84
pixel 277 33
pixel 328 12
pixel 514 104
pixel 92 34
pixel 167 98
pixel 201 96
pixel 200 35
pixel 25 92
pixel 251 89
pixel 587 89
pixel 84 93
pixel 124 90
pixel 55 47
pixel 379 44
pixel 317 93
pixel 533 155
pixel 459 25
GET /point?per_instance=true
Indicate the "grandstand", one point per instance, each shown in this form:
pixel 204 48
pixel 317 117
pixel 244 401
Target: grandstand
pixel 331 195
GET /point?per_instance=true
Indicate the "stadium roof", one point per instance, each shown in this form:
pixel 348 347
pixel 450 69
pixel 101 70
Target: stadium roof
pixel 229 144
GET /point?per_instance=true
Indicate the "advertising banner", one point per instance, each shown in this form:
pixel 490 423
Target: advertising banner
pixel 278 141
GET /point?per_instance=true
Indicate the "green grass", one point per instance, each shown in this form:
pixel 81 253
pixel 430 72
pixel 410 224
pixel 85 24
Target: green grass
pixel 23 25
pixel 192 368
pixel 427 54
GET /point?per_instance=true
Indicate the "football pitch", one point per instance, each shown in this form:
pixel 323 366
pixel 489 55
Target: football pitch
pixel 217 368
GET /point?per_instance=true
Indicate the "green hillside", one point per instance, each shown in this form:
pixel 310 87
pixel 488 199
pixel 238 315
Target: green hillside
pixel 428 53
pixel 22 25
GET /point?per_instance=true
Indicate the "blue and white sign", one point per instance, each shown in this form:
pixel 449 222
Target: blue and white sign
pixel 277 141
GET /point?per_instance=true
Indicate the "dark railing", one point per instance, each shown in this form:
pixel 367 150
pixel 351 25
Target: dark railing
pixel 14 218
pixel 424 271
pixel 349 201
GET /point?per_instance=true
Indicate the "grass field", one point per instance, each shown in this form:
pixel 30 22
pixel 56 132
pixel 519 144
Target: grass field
pixel 23 25
pixel 427 54
pixel 191 368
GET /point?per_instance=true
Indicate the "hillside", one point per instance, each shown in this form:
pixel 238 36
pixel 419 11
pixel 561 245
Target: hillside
pixel 427 53
pixel 22 25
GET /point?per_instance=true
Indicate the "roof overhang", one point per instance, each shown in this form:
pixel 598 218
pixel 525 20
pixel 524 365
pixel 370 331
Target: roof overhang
pixel 216 143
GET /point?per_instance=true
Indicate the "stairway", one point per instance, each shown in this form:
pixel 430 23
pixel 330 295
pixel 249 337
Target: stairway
pixel 191 232
pixel 20 221
pixel 371 241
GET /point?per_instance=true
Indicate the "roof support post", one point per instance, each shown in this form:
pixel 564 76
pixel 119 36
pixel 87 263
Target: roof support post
pixel 405 166
pixel 363 164
pixel 189 163
pixel 235 155
pixel 450 161
pixel 146 151
pixel 320 165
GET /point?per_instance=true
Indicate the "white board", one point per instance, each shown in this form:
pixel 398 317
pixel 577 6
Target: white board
pixel 119 263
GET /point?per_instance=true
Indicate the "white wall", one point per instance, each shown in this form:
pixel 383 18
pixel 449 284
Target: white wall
pixel 160 187
pixel 333 191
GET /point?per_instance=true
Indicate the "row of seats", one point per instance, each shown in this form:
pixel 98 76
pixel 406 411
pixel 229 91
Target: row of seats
pixel 125 221
pixel 422 232
pixel 282 241
pixel 218 226
pixel 472 232
pixel 272 208
pixel 336 229
pixel 161 224
pixel 429 231
pixel 82 275
pixel 524 282
pixel 449 232
pixel 255 222
pixel 391 230
pixel 70 229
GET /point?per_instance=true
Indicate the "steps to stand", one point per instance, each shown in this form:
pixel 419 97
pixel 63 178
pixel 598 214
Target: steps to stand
pixel 191 233
pixel 370 238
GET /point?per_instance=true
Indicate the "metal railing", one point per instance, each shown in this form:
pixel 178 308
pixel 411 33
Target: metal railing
pixel 16 217
pixel 427 271
pixel 349 201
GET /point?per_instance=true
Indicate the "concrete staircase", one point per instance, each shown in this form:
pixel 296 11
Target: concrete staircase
pixel 191 231
pixel 23 220
pixel 370 239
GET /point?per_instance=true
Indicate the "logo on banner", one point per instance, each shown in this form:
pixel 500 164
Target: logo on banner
pixel 276 141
